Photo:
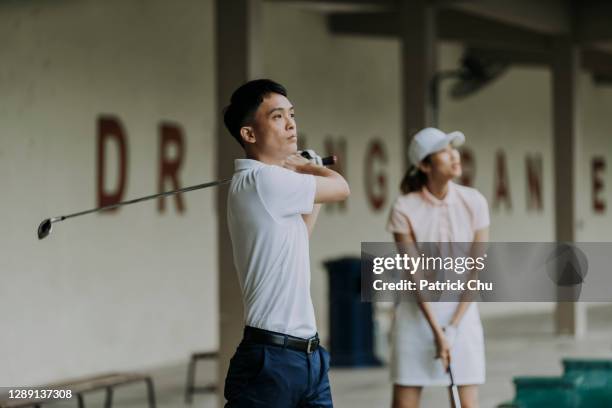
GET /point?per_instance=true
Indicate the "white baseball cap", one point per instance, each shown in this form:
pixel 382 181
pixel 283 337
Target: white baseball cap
pixel 431 140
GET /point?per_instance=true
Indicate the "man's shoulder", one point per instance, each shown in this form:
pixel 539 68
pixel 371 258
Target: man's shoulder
pixel 273 177
pixel 272 170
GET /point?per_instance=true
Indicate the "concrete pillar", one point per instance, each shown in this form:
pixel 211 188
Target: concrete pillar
pixel 418 59
pixel 237 61
pixel 570 317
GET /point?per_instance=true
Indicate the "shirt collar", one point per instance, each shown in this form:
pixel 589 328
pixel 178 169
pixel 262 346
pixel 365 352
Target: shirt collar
pixel 449 198
pixel 245 164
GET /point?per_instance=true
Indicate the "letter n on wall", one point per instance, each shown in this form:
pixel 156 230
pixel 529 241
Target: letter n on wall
pixel 533 165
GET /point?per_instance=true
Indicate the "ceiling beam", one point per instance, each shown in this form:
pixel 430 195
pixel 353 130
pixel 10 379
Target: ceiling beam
pixel 594 21
pixel 514 57
pixel 340 6
pixel 545 16
pixel 368 24
pixel 383 3
pixel 486 38
pixel 473 30
pixel 452 25
pixel 597 62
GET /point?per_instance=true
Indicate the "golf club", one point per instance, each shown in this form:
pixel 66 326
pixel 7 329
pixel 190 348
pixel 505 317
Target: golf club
pixel 456 402
pixel 46 226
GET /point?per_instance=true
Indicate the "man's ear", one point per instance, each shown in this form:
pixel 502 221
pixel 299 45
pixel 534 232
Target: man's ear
pixel 247 134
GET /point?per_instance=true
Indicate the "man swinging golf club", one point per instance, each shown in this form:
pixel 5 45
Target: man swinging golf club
pixel 273 202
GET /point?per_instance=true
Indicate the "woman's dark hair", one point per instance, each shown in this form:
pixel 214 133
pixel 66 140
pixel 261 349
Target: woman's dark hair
pixel 414 179
pixel 244 103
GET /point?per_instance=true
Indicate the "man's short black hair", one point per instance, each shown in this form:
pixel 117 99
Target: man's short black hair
pixel 244 103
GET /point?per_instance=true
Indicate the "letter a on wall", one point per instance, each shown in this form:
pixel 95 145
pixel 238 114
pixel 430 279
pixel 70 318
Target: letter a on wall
pixel 502 187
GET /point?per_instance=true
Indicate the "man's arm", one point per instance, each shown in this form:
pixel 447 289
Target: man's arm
pixel 330 185
pixel 311 219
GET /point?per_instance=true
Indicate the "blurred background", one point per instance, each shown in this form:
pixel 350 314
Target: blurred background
pixel 102 101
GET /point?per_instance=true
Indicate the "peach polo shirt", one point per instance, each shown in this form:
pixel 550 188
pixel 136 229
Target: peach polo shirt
pixel 455 218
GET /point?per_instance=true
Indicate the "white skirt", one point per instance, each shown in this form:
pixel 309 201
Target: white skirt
pixel 413 361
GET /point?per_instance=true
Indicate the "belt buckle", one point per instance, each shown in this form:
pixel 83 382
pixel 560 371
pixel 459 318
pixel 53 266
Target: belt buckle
pixel 311 341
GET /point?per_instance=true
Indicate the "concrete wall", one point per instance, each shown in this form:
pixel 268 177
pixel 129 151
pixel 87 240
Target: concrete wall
pixel 108 291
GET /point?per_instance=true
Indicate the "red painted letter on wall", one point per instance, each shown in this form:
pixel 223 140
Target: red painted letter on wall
pixel 533 164
pixel 375 183
pixel 502 187
pixel 110 129
pixel 468 167
pixel 170 135
pixel 598 165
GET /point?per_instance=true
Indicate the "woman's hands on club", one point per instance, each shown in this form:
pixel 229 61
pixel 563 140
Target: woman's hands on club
pixel 442 348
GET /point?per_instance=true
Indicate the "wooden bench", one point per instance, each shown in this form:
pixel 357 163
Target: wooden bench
pixel 191 388
pixel 81 386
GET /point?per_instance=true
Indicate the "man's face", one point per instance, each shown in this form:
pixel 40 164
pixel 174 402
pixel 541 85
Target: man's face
pixel 274 127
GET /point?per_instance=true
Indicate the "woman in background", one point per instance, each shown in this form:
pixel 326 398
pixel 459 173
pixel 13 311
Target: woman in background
pixel 432 208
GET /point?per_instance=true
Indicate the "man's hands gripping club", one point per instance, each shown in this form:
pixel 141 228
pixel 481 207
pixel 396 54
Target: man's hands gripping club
pixel 331 186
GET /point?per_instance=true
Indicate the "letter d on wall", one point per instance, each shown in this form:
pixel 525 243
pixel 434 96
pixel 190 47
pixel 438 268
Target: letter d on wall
pixel 110 129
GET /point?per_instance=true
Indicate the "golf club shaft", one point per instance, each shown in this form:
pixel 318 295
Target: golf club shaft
pixel 44 228
pixel 149 197
pixel 326 162
pixel 456 403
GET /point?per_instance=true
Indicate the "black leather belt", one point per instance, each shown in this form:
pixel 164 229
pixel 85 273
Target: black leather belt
pixel 260 336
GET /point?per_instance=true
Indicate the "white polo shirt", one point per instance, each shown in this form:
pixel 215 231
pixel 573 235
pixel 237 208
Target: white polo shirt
pixel 270 244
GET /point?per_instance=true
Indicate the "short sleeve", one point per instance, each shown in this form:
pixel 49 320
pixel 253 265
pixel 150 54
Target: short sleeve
pixel 481 212
pixel 398 221
pixel 285 192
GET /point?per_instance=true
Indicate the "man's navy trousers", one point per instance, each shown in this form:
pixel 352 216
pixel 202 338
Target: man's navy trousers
pixel 263 375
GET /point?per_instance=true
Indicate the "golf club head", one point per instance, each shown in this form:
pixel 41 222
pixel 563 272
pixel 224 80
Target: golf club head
pixel 45 228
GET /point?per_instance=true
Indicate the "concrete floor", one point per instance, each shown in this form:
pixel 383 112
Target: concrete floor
pixel 517 345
